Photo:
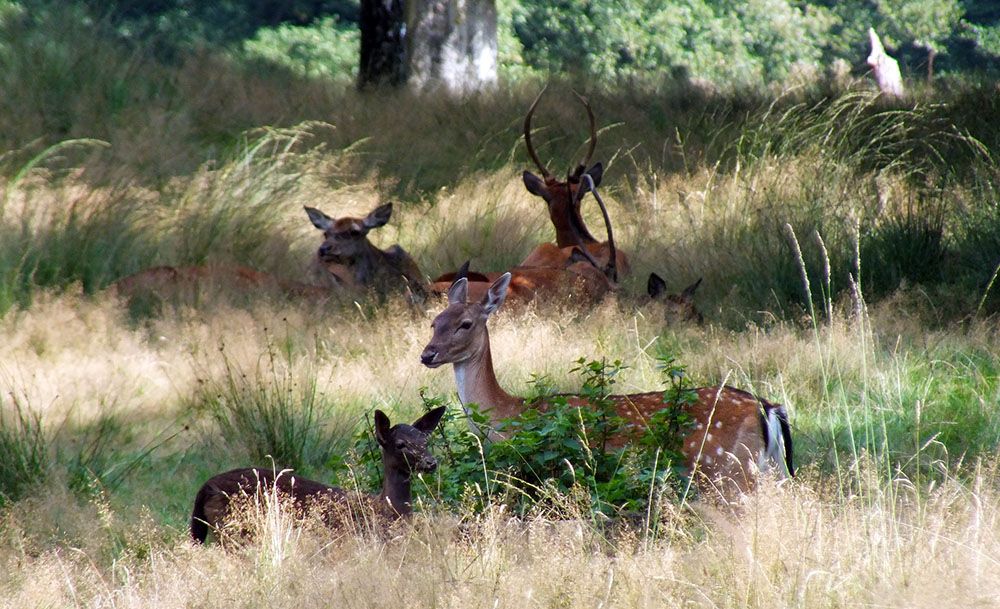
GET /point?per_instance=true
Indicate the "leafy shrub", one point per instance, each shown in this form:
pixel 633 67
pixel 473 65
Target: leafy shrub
pixel 556 448
pixel 326 48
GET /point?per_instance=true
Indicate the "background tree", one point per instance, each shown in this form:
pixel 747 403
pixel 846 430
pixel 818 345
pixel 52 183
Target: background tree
pixel 452 44
pixel 924 23
pixel 383 45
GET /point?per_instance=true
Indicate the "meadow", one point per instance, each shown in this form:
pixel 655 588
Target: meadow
pixel 848 249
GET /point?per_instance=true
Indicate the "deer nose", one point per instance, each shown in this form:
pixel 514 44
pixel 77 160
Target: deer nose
pixel 428 464
pixel 428 356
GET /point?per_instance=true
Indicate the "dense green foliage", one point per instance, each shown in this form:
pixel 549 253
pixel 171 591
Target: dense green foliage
pixel 723 41
pixel 554 449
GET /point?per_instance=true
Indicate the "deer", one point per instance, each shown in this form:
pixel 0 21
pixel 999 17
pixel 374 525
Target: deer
pixel 404 452
pixel 676 307
pixel 189 280
pixel 563 198
pixel 579 280
pixel 348 260
pixel 735 433
pixel 345 263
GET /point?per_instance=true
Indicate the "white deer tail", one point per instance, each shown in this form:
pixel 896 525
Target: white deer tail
pixel 778 449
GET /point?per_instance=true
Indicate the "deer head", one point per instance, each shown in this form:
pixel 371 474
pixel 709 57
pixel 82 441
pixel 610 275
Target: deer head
pixel 404 447
pixel 345 239
pixel 679 307
pixel 460 330
pixel 563 196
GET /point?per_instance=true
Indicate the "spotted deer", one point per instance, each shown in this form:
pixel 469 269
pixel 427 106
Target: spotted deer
pixel 735 434
pixel 563 198
pixel 404 452
pixel 348 260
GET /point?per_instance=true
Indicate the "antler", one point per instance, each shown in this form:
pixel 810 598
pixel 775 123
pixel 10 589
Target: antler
pixel 593 129
pixel 527 135
pixel 612 269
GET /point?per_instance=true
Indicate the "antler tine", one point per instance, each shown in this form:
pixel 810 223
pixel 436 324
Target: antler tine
pixel 593 128
pixel 527 135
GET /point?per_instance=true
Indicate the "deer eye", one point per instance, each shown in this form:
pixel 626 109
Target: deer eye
pixel 465 325
pixel 400 444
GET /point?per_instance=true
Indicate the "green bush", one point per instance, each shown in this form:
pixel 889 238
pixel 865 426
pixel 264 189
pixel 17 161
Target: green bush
pixel 326 48
pixel 555 449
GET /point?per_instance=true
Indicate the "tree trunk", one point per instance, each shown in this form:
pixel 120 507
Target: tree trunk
pixel 452 44
pixel 931 54
pixel 383 44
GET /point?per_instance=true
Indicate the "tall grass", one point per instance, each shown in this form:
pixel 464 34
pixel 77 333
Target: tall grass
pixel 275 412
pixel 24 450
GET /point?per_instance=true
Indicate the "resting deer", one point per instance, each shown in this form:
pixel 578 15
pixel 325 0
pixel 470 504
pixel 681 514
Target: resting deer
pixel 346 262
pixel 563 199
pixel 404 451
pixel 677 307
pixel 580 280
pixel 347 259
pixel 187 281
pixel 735 433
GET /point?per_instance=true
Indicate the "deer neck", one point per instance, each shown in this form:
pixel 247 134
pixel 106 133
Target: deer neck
pixel 572 231
pixel 396 496
pixel 477 384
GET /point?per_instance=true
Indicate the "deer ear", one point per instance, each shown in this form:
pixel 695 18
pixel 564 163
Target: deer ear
pixel 379 216
pixel 655 285
pixel 535 185
pixel 458 293
pixel 429 421
pixel 688 293
pixel 382 427
pixel 463 271
pixel 496 294
pixel 596 172
pixel 318 218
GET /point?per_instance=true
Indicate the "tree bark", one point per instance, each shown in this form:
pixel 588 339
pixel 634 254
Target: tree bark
pixel 383 43
pixel 452 44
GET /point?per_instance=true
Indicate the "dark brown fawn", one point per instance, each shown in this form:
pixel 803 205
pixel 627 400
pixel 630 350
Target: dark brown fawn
pixel 735 433
pixel 404 452
pixel 676 307
pixel 348 260
pixel 563 198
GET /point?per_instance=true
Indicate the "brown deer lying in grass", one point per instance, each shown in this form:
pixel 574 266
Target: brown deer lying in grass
pixel 563 198
pixel 676 307
pixel 347 259
pixel 735 433
pixel 579 281
pixel 188 281
pixel 346 263
pixel 404 451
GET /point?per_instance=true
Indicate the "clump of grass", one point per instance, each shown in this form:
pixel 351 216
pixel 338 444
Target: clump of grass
pixel 24 451
pixel 274 413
